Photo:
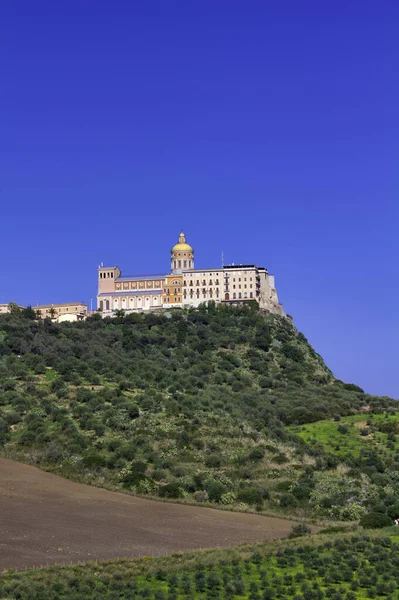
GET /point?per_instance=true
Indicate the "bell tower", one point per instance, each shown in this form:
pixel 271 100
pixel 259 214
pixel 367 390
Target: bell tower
pixel 181 256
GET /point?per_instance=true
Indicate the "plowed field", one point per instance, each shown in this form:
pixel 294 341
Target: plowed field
pixel 45 519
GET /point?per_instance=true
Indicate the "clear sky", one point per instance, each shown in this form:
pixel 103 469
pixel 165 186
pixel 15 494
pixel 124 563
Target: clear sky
pixel 268 130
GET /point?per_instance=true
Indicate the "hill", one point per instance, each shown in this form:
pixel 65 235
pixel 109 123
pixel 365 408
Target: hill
pixel 197 406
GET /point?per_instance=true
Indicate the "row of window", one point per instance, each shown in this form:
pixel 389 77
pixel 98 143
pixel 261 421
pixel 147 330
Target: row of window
pixel 204 282
pixel 106 275
pixel 168 291
pixel 201 274
pixel 210 295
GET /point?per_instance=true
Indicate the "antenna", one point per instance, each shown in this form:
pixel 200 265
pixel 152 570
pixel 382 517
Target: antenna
pixel 222 259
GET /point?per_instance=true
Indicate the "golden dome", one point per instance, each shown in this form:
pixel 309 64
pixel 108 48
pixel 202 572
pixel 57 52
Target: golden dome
pixel 182 246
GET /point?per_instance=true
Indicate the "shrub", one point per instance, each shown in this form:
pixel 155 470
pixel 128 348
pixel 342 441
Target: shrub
pixel 213 461
pixel 300 530
pixel 170 490
pixel 250 495
pixel 375 520
pixel 215 490
pixel 257 453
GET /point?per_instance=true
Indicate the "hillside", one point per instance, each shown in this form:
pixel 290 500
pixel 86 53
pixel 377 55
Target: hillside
pixel 201 406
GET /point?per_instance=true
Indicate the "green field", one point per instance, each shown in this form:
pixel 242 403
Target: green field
pixel 341 567
pixel 354 435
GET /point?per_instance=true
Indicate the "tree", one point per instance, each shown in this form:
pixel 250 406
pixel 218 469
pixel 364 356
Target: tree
pixel 29 313
pixel 52 312
pixel 13 308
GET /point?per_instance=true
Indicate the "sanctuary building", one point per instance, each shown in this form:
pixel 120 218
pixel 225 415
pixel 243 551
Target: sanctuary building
pixel 184 286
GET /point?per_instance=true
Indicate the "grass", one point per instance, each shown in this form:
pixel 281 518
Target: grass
pixel 330 437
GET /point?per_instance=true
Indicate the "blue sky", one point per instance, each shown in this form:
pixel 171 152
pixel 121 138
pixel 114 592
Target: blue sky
pixel 268 130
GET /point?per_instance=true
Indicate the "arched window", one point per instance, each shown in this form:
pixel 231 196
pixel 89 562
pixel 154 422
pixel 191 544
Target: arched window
pixel 234 296
pixel 107 304
pixel 101 305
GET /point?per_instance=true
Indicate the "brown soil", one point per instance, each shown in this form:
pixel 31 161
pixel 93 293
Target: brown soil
pixel 45 519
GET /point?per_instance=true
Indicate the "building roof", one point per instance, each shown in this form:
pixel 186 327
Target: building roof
pixel 109 268
pixel 59 305
pixel 140 277
pixel 130 293
pixel 182 245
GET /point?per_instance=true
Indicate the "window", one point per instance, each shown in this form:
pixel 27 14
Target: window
pixel 112 275
pixel 234 287
pixel 210 282
pixel 251 295
pixel 204 296
pixel 234 296
pixel 239 295
pixel 191 283
pixel 185 263
pixel 197 281
pixel 245 286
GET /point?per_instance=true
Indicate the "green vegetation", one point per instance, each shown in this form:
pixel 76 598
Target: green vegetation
pixel 202 406
pixel 344 567
pixel 368 446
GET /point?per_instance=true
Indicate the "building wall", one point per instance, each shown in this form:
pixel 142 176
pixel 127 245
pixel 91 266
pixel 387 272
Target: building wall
pixel 106 279
pixel 173 290
pixel 202 286
pixel 45 310
pixel 5 308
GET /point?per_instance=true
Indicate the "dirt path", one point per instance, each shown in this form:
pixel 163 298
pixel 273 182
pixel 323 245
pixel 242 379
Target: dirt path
pixel 45 519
